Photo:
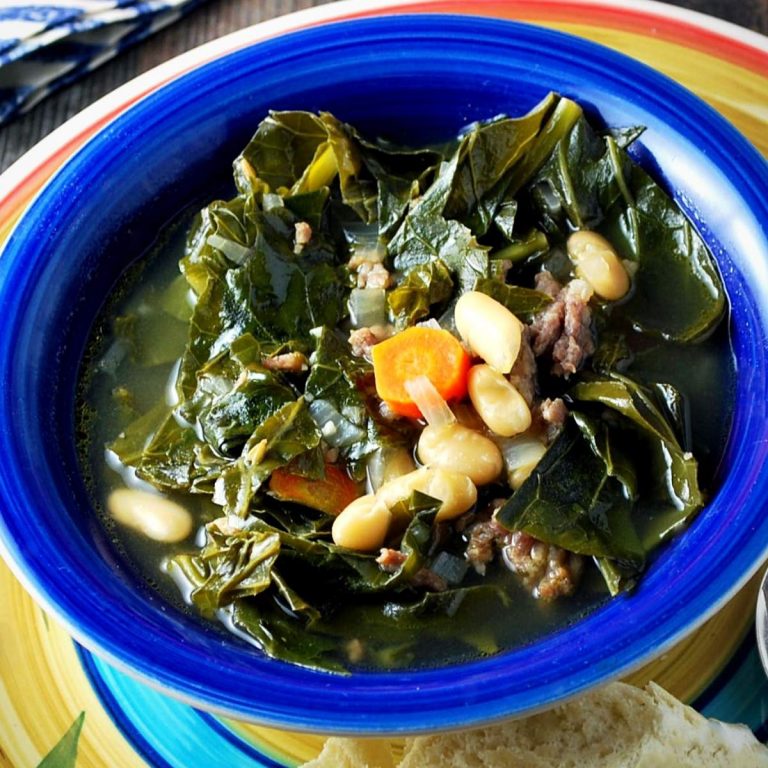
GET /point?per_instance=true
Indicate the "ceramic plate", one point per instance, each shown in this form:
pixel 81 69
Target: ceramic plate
pixel 53 692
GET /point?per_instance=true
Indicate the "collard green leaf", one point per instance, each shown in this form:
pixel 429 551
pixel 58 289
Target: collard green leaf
pixel 590 182
pixel 229 420
pixel 283 637
pixel 671 493
pixel 426 236
pixel 523 302
pixel 572 500
pixel 162 451
pixel 604 444
pixel 423 286
pixel 278 439
pixel 274 293
pixel 234 563
pixel 485 154
pixel 401 175
pixel 578 182
pixel 284 145
pixel 556 126
pixel 673 262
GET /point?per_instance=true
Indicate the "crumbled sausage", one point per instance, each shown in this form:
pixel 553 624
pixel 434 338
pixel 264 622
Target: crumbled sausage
pixel 303 233
pixel 290 362
pixel 485 538
pixel 372 274
pixel 523 373
pixel 390 560
pixel 362 339
pixel 549 417
pixel 546 570
pixel 548 324
pixel 429 580
pixel 546 283
pixel 564 327
pixel 576 342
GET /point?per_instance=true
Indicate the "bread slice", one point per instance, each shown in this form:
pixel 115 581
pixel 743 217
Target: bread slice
pixel 354 753
pixel 618 726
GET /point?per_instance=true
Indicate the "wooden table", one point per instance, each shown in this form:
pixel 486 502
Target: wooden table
pixel 216 18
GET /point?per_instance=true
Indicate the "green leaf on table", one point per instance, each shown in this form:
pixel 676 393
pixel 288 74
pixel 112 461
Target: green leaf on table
pixel 64 754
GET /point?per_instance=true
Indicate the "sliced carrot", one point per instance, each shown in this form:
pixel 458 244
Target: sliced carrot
pixel 329 494
pixel 419 351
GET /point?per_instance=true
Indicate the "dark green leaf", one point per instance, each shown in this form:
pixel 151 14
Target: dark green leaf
pixel 572 500
pixel 234 563
pixel 423 286
pixel 284 144
pixel 283 637
pixel 64 754
pixel 523 302
pixel 671 493
pixel 277 440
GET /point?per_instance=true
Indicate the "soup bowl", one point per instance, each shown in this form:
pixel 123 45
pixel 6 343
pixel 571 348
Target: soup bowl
pixel 415 80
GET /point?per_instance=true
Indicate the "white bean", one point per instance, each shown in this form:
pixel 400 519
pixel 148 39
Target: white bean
pixel 459 449
pixel 455 489
pixel 362 525
pixel 501 407
pixel 597 262
pixel 489 329
pixel 155 516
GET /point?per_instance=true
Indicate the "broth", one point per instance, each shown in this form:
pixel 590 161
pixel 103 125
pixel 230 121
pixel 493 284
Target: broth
pixel 133 365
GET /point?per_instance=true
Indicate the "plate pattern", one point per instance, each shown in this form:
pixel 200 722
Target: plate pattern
pixel 47 681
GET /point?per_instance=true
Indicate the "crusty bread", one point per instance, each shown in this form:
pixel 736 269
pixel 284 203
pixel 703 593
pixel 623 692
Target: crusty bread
pixel 618 726
pixel 354 753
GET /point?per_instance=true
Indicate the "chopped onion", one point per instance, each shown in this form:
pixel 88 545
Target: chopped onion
pixel 367 307
pixel 271 201
pixel 337 431
pixel 233 251
pixel 451 568
pixel 429 401
pixel 521 454
pixel 387 463
pixel 364 241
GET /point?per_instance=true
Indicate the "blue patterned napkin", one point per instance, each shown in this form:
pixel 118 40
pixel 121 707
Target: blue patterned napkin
pixel 46 45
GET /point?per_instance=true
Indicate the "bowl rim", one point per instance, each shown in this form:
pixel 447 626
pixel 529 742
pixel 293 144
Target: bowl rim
pixel 192 694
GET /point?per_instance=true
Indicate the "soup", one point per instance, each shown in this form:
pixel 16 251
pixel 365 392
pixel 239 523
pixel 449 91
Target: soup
pixel 406 407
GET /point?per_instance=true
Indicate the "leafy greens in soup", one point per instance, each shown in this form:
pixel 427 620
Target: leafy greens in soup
pixel 425 403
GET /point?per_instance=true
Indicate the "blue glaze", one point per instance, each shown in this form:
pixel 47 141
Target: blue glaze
pixel 411 78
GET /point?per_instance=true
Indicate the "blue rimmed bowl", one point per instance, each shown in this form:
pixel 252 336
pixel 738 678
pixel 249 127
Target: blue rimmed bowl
pixel 417 79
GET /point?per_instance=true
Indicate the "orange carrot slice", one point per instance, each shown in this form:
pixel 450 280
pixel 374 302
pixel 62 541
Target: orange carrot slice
pixel 419 351
pixel 330 494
